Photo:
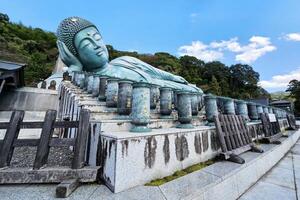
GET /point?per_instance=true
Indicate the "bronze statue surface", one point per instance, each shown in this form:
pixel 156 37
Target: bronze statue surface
pixel 81 48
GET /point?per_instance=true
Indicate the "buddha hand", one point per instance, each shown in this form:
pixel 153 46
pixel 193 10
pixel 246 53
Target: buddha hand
pixel 68 58
pixel 181 79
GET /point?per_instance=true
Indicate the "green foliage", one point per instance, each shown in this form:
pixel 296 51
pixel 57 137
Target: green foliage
pixel 191 66
pixel 294 89
pixel 281 96
pixel 33 46
pixel 4 17
pixel 214 86
pixel 180 173
pixel 160 60
pixel 237 81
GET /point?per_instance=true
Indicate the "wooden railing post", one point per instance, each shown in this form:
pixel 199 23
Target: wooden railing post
pixel 81 139
pixel 220 134
pixel 43 146
pixel 2 85
pixel 11 135
pixel 243 125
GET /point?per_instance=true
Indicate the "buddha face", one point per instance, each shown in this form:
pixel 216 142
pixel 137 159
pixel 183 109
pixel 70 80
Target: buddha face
pixel 91 49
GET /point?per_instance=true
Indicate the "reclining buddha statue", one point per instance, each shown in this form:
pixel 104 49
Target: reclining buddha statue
pixel 81 48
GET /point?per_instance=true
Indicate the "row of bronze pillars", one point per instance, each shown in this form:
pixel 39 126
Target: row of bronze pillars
pixel 250 110
pixel 137 99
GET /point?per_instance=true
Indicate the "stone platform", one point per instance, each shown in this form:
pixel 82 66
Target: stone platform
pixel 131 159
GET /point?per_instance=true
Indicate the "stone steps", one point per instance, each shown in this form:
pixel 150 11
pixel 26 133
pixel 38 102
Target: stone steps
pixel 108 118
pixel 111 121
pixel 125 124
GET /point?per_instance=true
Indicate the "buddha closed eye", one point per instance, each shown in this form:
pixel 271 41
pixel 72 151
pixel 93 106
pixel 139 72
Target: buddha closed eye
pixel 92 38
pixel 87 43
pixel 97 36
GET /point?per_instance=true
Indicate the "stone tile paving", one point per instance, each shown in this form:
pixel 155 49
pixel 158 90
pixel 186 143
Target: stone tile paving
pixel 282 182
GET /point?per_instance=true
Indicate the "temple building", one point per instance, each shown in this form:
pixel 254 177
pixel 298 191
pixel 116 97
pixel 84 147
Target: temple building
pixel 11 75
pixel 284 104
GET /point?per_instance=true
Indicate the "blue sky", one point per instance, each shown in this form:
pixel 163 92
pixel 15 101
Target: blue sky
pixel 262 33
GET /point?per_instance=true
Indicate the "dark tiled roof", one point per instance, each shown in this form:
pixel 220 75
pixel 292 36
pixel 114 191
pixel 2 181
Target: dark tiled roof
pixel 6 65
pixel 280 102
pixel 263 101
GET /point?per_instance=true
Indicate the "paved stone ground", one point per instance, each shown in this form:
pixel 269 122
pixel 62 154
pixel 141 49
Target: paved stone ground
pixel 282 182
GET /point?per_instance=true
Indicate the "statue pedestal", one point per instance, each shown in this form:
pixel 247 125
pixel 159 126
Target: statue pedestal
pixel 134 159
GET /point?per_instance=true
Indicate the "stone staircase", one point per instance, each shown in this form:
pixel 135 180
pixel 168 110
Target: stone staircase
pixel 76 99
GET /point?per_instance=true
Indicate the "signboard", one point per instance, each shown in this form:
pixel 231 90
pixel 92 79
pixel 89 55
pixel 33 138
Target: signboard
pixel 272 117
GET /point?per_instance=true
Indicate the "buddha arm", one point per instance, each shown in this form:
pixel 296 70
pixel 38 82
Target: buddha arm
pixel 131 62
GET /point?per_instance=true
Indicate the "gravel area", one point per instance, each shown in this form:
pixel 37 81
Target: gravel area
pixel 58 156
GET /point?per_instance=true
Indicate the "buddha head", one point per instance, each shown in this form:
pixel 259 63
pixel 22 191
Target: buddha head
pixel 84 42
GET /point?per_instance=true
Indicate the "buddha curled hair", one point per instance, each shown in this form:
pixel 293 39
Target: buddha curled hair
pixel 67 30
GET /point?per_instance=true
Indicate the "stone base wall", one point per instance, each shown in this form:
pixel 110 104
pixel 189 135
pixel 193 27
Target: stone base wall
pixel 130 159
pixel 28 99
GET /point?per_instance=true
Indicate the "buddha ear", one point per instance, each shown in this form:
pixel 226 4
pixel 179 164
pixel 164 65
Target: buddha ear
pixel 68 58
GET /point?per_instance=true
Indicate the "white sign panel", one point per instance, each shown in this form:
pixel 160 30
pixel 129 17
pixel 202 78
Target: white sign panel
pixel 272 117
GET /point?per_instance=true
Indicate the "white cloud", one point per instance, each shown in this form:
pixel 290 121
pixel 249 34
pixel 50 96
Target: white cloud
pixel 201 51
pixel 231 45
pixel 292 37
pixel 259 41
pixel 280 81
pixel 194 17
pixel 257 47
pixel 251 54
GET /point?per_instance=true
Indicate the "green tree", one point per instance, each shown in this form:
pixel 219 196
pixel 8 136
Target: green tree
pixel 191 69
pixel 294 89
pixel 4 17
pixel 33 46
pixel 214 86
pixel 243 81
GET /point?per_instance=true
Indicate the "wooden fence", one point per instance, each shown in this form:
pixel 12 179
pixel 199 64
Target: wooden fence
pixel 40 173
pixel 271 129
pixel 292 122
pixel 234 137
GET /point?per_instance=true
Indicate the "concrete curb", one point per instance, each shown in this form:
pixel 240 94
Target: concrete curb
pixel 247 175
pixel 227 180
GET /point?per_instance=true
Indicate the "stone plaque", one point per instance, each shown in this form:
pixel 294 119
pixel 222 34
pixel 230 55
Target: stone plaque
pixel 272 117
